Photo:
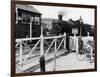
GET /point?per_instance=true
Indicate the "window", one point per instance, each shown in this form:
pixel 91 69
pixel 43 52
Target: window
pixel 37 20
pixel 25 18
pixel 19 17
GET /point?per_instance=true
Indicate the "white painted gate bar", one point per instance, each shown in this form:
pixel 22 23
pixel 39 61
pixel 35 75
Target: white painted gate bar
pixel 31 51
pixel 49 47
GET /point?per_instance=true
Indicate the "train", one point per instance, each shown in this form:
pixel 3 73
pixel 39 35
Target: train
pixel 61 26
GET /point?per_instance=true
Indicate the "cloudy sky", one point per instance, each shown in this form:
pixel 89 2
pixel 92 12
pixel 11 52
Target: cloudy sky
pixel 68 12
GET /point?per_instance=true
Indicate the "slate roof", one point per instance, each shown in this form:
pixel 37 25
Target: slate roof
pixel 27 8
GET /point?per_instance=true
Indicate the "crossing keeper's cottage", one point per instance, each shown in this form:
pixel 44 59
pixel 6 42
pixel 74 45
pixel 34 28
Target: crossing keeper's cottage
pixel 28 21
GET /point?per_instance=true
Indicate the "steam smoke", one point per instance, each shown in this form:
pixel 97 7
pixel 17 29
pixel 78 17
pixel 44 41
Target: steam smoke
pixel 62 12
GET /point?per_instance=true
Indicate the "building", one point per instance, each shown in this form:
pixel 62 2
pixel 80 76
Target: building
pixel 28 21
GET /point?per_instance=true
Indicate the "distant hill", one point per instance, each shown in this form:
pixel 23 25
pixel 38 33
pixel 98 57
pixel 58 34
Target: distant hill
pixel 48 21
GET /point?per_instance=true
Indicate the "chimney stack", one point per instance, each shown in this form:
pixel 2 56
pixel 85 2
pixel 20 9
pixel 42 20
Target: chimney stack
pixel 60 17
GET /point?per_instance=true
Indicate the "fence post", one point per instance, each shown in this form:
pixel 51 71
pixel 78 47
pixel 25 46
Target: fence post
pixel 21 57
pixel 31 19
pixel 54 69
pixel 65 41
pixel 42 42
pixel 75 43
pixel 42 57
pixel 88 34
pixel 91 55
pixel 16 15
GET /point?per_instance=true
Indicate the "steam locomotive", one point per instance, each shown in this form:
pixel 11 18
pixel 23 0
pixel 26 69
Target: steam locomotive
pixel 60 26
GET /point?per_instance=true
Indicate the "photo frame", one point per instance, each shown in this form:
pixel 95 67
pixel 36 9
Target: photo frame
pixel 65 38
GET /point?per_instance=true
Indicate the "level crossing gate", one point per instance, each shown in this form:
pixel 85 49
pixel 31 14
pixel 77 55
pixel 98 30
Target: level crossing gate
pixel 40 49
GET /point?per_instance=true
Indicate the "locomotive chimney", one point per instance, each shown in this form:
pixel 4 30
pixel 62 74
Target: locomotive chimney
pixel 60 17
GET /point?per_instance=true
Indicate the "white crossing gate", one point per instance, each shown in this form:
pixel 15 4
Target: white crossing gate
pixel 23 55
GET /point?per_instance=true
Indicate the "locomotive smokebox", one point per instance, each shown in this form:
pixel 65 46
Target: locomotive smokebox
pixel 60 17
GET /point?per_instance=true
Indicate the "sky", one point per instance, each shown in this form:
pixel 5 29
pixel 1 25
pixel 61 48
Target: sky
pixel 87 14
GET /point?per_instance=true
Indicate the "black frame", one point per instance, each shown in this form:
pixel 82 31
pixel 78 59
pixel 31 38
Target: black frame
pixel 13 32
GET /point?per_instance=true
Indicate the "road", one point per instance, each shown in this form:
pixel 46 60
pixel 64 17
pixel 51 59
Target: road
pixel 64 61
pixel 68 62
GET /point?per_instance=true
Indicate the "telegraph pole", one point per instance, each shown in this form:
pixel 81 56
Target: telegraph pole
pixel 81 21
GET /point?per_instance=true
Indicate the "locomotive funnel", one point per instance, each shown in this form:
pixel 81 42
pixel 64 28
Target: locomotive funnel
pixel 60 17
